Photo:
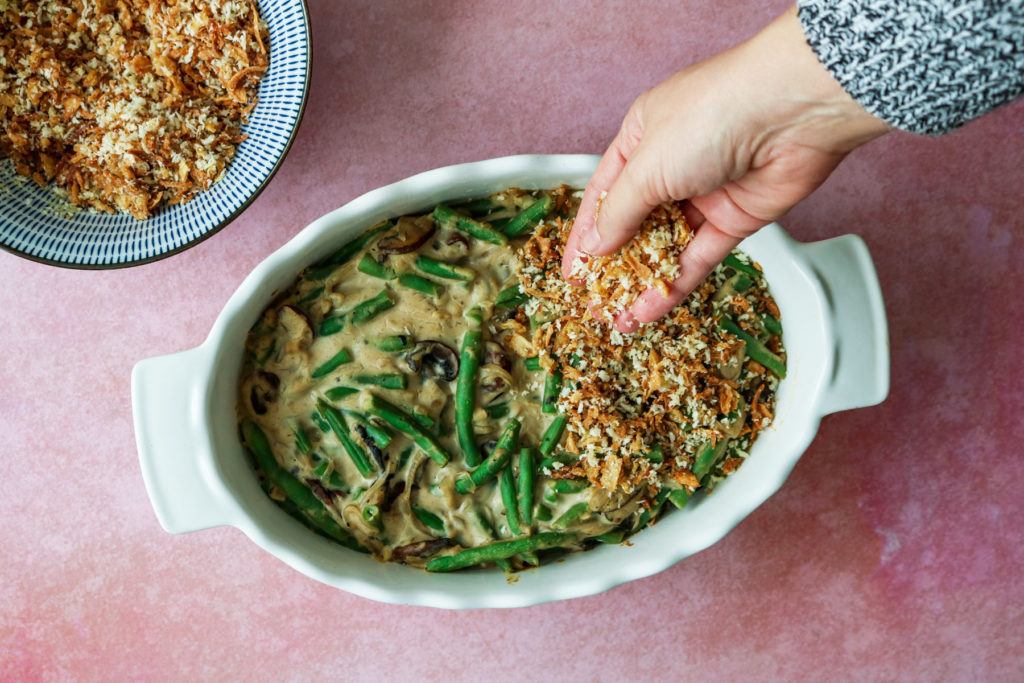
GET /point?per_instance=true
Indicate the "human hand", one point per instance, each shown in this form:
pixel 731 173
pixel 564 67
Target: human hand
pixel 743 136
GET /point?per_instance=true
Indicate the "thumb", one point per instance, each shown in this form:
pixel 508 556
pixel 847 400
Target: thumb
pixel 628 201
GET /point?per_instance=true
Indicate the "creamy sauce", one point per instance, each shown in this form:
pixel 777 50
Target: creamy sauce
pixel 287 337
pixel 405 506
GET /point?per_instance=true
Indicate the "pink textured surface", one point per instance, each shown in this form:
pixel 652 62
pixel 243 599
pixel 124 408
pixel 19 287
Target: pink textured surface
pixel 894 550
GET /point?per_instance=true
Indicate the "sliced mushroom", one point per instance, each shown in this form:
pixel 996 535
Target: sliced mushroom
pixel 432 358
pixel 730 370
pixel 391 494
pixel 411 234
pixel 494 383
pixel 371 445
pixel 295 323
pixel 263 391
pixel 319 491
pixel 420 549
pixel 457 238
pixel 495 355
pixel 733 428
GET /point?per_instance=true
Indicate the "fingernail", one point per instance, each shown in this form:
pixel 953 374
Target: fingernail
pixel 591 241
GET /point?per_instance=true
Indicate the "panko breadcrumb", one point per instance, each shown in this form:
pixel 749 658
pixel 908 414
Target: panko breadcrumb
pixel 641 406
pixel 650 260
pixel 127 104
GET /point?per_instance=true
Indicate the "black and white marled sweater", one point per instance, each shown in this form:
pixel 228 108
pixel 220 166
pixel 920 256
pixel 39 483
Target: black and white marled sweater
pixel 926 66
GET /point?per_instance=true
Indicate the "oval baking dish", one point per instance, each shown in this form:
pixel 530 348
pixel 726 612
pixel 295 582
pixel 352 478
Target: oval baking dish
pixel 198 476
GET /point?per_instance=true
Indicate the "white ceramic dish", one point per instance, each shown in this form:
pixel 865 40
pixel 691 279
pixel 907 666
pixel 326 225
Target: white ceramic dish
pixel 198 476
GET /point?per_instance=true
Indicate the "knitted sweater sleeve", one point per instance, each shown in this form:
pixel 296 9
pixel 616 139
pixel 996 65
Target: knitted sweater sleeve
pixel 925 66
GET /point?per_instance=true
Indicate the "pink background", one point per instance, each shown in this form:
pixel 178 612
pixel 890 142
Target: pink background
pixel 894 550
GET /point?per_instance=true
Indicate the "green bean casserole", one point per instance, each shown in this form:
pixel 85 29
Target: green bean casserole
pixel 434 393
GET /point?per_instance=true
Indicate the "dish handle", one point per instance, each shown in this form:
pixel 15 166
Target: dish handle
pixel 174 448
pixel 860 368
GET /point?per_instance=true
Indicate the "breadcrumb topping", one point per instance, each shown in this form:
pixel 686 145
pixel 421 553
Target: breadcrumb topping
pixel 649 260
pixel 640 407
pixel 127 104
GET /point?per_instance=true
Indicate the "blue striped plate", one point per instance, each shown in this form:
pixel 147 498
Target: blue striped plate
pixel 34 224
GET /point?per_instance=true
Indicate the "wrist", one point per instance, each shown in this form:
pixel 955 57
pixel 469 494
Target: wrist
pixel 806 102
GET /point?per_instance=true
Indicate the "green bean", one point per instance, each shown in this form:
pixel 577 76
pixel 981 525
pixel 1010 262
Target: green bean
pixel 259 446
pixel 497 411
pixel 477 207
pixel 394 342
pixel 474 315
pixel 448 217
pixel 771 324
pixel 340 428
pixel 736 264
pixel 552 387
pixel 331 325
pixel 385 380
pixel 321 423
pixel 405 423
pixel 508 497
pixel 647 515
pixel 755 349
pixel 403 457
pixel 570 485
pixel 542 513
pixel 369 265
pixel 610 537
pixel 443 269
pixel 371 308
pixel 422 418
pixel 571 516
pixel 465 396
pixel 334 479
pixel 656 455
pixel 481 519
pixel 321 522
pixel 344 254
pixel 510 297
pixel 498 459
pixel 333 363
pixel 420 284
pixel 529 216
pixel 371 515
pixel 524 485
pixel 380 435
pixel 679 498
pixel 340 392
pixel 313 295
pixel 429 519
pixel 552 435
pixel 301 496
pixel 549 463
pixel 532 364
pixel 707 456
pixel 499 223
pixel 550 495
pixel 302 442
pixel 499 550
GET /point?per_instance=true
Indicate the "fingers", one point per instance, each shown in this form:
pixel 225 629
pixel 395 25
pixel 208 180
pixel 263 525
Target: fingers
pixel 608 169
pixel 629 201
pixel 709 246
